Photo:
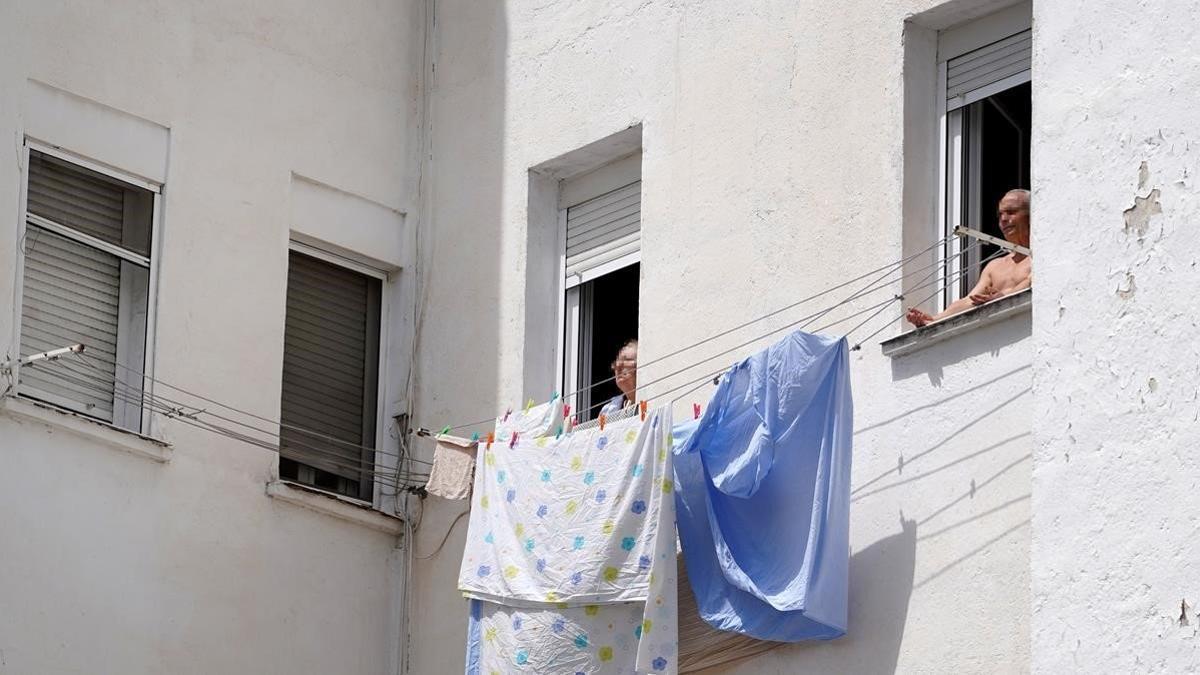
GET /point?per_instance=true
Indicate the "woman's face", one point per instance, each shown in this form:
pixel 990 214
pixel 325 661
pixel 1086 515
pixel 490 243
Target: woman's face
pixel 625 370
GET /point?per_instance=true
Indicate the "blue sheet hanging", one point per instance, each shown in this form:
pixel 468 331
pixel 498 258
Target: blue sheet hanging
pixel 763 497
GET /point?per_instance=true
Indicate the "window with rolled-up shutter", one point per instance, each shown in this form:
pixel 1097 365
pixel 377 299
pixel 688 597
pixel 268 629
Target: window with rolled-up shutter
pixel 85 281
pixel 990 69
pixel 330 376
pixel 604 233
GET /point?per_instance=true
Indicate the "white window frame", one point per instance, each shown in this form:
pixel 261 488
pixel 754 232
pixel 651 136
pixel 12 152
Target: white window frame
pixel 953 141
pixel 146 419
pixel 385 290
pixel 574 334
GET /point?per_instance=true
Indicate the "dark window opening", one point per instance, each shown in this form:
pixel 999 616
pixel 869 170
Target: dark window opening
pixel 997 148
pixel 608 319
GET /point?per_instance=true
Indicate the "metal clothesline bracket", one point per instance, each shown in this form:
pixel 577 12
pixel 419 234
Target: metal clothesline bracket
pixel 997 241
pixel 51 355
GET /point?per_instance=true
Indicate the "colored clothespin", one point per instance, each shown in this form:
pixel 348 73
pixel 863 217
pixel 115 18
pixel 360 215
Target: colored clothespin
pixel 571 424
pixel 475 437
pixel 558 434
pixel 513 442
pixel 566 410
pixel 695 411
pixel 491 439
pixel 506 414
pixel 528 405
pixel 445 430
pixel 603 419
pixel 642 407
pixel 554 397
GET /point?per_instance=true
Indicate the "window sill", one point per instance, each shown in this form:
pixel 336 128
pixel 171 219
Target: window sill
pixel 965 322
pixel 80 425
pixel 330 504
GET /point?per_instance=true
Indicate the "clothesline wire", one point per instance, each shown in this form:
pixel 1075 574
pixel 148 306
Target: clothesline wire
pixel 172 413
pixel 879 307
pixel 292 427
pixel 928 297
pixel 174 405
pixel 801 323
pixel 150 403
pixel 888 269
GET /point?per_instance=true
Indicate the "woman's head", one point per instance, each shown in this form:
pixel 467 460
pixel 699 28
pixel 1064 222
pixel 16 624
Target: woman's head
pixel 625 369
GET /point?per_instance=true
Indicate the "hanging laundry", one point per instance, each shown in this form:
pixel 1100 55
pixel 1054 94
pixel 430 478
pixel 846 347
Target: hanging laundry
pixel 531 422
pixel 453 468
pixel 764 494
pixel 574 533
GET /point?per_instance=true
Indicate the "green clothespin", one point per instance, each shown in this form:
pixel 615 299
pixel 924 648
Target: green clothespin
pixel 475 437
pixel 558 434
pixel 554 397
pixel 445 430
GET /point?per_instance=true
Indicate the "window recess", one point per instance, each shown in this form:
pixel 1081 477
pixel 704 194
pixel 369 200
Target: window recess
pixel 601 256
pixel 330 376
pixel 985 95
pixel 86 275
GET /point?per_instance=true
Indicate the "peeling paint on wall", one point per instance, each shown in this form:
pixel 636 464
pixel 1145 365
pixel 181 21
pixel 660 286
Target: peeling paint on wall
pixel 1137 217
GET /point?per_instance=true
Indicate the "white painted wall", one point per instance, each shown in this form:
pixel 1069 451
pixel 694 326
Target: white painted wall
pixel 773 139
pixel 111 562
pixel 1115 550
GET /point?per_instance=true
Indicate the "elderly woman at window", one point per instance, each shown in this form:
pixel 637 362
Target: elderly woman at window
pixel 624 369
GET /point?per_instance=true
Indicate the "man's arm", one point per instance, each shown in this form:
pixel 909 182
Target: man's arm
pixel 980 294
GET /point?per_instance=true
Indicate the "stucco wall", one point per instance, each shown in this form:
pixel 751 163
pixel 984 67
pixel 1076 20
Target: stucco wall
pixel 773 166
pixel 114 563
pixel 1115 417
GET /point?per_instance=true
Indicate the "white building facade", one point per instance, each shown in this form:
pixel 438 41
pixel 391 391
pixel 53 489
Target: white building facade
pixel 290 233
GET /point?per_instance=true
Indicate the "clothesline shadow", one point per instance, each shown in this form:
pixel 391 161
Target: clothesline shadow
pixel 860 491
pixel 989 339
pixel 942 401
pixel 881 585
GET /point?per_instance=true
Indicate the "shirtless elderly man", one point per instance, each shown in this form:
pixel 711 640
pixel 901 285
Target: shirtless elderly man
pixel 1003 276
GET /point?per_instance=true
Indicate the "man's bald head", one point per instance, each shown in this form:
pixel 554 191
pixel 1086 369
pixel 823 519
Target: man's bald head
pixel 1018 193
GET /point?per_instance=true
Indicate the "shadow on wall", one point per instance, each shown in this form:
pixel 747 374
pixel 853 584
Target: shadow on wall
pixel 984 340
pixel 462 277
pixel 881 582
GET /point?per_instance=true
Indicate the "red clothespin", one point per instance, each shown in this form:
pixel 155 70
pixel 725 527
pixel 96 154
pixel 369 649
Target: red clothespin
pixel 491 439
pixel 603 419
pixel 642 407
pixel 513 442
pixel 695 411
pixel 571 424
pixel 566 410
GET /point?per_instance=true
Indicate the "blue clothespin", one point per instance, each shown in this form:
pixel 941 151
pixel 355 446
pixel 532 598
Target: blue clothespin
pixel 475 437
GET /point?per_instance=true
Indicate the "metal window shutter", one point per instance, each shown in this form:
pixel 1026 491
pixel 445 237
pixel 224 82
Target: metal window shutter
pixel 76 198
pixel 604 229
pixel 71 292
pixel 330 364
pixel 971 77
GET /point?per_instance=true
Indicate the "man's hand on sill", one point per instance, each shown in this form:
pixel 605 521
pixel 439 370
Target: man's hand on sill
pixel 921 319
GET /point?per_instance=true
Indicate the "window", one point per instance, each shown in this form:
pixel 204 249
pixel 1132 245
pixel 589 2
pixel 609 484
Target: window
pixel 86 275
pixel 330 376
pixel 985 97
pixel 601 279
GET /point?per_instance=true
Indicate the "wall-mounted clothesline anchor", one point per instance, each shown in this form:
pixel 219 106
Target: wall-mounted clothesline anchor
pixel 51 355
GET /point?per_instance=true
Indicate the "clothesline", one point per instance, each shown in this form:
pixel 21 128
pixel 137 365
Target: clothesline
pixel 192 414
pixel 876 284
pixel 180 412
pixel 888 269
